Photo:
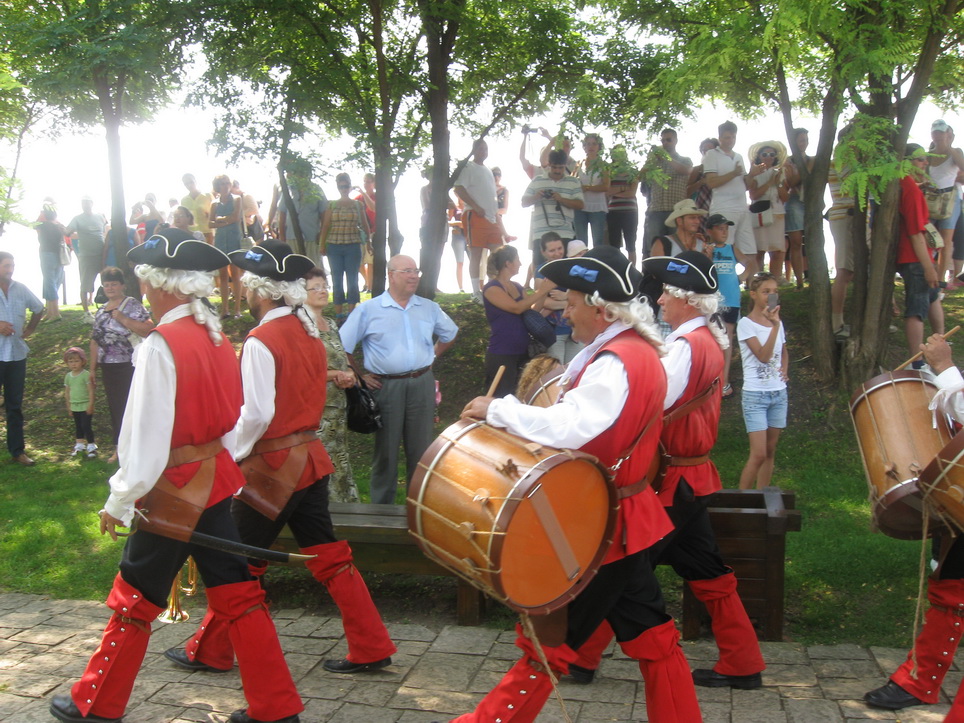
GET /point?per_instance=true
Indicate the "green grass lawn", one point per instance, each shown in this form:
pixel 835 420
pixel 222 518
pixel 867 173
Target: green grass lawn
pixel 845 583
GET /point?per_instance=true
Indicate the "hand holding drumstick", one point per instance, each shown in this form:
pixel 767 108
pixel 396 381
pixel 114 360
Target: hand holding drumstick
pixel 937 353
pixel 479 407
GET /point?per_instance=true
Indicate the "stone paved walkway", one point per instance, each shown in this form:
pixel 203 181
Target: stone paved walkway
pixel 44 645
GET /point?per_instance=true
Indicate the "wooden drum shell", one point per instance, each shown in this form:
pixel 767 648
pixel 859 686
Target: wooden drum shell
pixel 527 524
pixel 897 440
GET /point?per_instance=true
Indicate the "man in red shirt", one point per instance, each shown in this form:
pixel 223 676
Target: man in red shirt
pixel 285 464
pixel 185 399
pixel 915 259
pixel 619 363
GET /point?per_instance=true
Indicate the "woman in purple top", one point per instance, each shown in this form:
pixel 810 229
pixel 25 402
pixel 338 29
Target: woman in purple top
pixel 110 344
pixel 505 301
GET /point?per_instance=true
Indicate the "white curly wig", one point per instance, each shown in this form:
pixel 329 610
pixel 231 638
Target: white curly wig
pixel 707 305
pixel 634 313
pixel 191 285
pixel 293 293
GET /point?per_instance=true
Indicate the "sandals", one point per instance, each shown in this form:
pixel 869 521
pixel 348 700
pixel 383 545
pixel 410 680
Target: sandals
pixel 727 390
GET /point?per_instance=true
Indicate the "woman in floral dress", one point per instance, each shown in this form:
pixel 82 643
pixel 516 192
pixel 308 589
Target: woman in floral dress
pixel 333 429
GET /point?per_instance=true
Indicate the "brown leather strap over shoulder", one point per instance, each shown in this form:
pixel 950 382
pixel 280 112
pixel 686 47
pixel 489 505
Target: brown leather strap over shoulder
pixel 695 403
pixel 194 453
pixel 263 446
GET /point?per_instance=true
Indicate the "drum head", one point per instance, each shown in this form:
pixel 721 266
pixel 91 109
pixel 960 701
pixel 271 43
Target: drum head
pixel 942 484
pixel 543 566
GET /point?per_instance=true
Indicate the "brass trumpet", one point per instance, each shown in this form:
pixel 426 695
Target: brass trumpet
pixel 174 612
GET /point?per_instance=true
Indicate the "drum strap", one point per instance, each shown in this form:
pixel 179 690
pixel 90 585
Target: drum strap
pixel 693 404
pixel 696 402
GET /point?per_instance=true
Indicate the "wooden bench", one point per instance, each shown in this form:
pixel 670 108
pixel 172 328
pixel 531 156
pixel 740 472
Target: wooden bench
pixel 750 526
pixel 380 542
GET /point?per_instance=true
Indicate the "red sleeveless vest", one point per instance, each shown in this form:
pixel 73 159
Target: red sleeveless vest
pixel 641 519
pixel 207 402
pixel 694 434
pixel 300 384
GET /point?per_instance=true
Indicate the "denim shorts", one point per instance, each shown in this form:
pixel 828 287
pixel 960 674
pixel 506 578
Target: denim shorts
pixel 762 410
pixel 794 211
pixel 918 296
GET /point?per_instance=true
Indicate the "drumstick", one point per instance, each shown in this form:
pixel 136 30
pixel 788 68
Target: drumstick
pixel 919 354
pixel 495 382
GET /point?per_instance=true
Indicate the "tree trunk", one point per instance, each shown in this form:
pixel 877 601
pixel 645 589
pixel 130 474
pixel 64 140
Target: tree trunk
pixel 435 232
pixel 821 328
pixel 385 214
pixel 110 105
pixel 9 203
pixel 287 202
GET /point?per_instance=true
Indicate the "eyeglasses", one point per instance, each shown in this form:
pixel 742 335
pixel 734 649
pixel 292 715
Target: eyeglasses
pixel 344 185
pixel 409 272
pixel 768 154
pixel 318 289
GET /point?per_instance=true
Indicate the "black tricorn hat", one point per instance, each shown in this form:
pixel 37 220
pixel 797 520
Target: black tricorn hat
pixel 603 269
pixel 690 271
pixel 173 248
pixel 273 259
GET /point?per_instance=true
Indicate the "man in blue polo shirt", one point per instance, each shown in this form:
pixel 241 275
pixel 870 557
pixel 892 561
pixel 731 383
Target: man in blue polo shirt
pixel 15 299
pixel 398 332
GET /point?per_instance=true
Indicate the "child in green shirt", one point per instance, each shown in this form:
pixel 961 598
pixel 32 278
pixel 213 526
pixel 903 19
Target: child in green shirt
pixel 79 396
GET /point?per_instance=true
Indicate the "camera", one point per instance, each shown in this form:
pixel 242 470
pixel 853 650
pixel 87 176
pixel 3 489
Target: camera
pixel 527 129
pixel 547 193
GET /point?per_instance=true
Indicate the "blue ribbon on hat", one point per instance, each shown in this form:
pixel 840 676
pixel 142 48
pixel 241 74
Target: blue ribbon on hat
pixel 679 268
pixel 581 272
pixel 253 255
pixel 153 241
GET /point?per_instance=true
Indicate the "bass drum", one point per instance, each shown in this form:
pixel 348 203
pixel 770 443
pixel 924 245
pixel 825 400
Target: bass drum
pixel 527 524
pixel 897 440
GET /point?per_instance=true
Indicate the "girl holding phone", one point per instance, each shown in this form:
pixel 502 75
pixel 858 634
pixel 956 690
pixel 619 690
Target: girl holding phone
pixel 765 367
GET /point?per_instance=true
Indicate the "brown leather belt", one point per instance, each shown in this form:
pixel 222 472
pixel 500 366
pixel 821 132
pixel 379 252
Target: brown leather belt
pixel 194 453
pixel 686 461
pixel 407 375
pixel 634 488
pixel 263 446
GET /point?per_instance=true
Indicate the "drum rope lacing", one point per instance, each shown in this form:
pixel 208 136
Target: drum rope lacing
pixel 925 520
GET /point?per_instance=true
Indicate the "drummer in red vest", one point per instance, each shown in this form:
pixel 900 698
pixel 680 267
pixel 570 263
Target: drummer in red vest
pixel 285 464
pixel 694 365
pixel 184 402
pixel 918 680
pixel 612 408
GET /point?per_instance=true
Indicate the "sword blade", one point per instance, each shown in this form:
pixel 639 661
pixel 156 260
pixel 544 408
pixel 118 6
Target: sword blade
pixel 239 548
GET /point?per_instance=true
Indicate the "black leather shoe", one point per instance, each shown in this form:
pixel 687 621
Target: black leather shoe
pixel 241 716
pixel 178 656
pixel 891 697
pixel 711 679
pixel 580 675
pixel 346 666
pixel 62 707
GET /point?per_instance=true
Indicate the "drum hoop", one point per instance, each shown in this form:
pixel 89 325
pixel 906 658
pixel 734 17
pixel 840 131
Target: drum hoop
pixel 544 386
pixel 942 463
pixel 887 379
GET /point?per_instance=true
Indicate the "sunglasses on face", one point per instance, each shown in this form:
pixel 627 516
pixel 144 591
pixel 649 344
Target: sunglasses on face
pixel 768 154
